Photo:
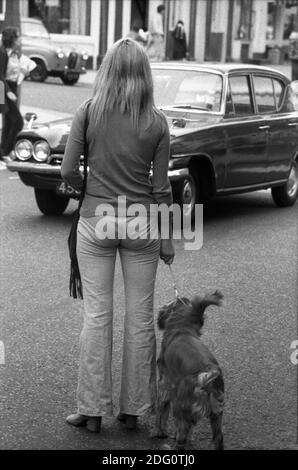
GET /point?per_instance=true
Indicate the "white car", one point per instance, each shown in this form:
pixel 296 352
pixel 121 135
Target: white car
pixel 37 44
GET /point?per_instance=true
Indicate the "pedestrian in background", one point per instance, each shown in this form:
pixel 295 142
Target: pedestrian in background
pixel 138 34
pixel 179 41
pixel 126 136
pixel 12 121
pixel 156 47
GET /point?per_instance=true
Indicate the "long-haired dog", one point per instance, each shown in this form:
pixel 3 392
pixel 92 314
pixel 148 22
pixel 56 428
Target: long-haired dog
pixel 190 378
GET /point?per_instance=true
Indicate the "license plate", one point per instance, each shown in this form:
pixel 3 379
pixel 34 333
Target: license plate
pixel 65 190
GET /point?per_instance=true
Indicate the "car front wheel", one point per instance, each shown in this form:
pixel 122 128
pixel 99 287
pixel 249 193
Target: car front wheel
pixel 186 194
pixel 70 78
pixel 287 194
pixel 40 73
pixel 49 203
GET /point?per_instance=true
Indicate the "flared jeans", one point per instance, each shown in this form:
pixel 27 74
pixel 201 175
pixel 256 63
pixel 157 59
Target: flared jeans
pixel 139 260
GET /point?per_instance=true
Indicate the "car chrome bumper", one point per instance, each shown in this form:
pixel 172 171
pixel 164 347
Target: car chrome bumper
pixel 178 174
pixel 30 167
pixel 81 71
pixel 45 168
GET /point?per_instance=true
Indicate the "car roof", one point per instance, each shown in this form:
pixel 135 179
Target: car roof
pixel 219 67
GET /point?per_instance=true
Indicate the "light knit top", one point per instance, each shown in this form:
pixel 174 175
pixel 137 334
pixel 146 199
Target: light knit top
pixel 120 158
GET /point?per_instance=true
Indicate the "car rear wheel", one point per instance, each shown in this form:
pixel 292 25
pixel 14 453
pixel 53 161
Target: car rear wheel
pixel 70 78
pixel 49 203
pixel 186 194
pixel 287 194
pixel 40 73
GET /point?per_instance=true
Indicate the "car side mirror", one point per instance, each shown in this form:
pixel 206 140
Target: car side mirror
pixel 30 118
pixel 179 123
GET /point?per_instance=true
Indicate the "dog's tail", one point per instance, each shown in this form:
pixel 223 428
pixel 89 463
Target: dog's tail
pixel 201 303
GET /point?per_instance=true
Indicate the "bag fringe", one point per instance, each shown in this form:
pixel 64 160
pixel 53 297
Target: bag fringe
pixel 75 282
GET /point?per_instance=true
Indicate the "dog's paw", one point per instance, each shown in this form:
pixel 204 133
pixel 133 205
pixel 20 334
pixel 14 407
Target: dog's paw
pixel 167 447
pixel 215 298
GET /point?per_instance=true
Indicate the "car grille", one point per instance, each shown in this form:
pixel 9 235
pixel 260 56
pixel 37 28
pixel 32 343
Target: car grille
pixel 72 60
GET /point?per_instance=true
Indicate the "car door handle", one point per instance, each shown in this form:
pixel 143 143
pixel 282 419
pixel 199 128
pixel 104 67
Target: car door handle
pixel 292 124
pixel 264 128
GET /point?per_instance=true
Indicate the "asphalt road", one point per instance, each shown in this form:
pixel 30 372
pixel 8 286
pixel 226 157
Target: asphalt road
pixel 52 95
pixel 249 253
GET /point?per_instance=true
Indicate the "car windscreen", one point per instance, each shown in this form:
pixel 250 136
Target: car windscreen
pixel 192 89
pixel 36 30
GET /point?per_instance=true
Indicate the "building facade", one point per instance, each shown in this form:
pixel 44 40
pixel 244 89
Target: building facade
pixel 217 30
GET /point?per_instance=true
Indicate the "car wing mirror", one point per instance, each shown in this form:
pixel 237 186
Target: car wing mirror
pixel 179 123
pixel 30 118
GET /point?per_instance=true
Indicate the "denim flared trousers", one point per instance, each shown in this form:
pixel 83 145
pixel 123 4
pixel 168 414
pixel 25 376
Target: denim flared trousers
pixel 139 260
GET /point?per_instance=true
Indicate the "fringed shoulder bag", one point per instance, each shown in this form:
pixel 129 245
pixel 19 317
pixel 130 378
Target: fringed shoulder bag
pixel 75 282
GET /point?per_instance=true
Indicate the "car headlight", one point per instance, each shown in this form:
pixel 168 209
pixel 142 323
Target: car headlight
pixel 23 149
pixel 85 56
pixel 60 53
pixel 41 151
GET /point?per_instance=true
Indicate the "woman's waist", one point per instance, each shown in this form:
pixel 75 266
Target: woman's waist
pixel 120 205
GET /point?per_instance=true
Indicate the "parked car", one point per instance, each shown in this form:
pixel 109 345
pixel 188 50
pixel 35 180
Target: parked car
pixel 50 60
pixel 233 129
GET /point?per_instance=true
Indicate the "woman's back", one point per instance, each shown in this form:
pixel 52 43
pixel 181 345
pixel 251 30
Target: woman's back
pixel 126 135
pixel 120 157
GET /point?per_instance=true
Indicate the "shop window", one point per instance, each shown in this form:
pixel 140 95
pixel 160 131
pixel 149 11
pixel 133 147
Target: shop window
pixel 63 16
pixel 271 20
pixel 2 9
pixel 290 16
pixel 244 30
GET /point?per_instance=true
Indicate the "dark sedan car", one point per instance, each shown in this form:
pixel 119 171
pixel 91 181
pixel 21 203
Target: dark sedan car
pixel 233 129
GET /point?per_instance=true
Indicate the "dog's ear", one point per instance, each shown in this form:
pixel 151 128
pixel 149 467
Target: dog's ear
pixel 163 315
pixel 199 304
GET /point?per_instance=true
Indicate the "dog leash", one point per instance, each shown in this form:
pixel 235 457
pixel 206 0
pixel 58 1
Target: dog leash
pixel 174 282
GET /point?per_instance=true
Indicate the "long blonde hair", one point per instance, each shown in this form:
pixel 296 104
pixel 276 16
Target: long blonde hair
pixel 123 83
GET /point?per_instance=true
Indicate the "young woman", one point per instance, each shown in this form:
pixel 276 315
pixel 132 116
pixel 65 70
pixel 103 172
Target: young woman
pixel 179 41
pixel 12 121
pixel 126 136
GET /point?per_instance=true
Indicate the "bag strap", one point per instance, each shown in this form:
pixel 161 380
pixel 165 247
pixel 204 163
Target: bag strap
pixel 85 160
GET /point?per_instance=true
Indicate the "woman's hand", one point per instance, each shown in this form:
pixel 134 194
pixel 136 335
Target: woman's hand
pixel 11 96
pixel 167 251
